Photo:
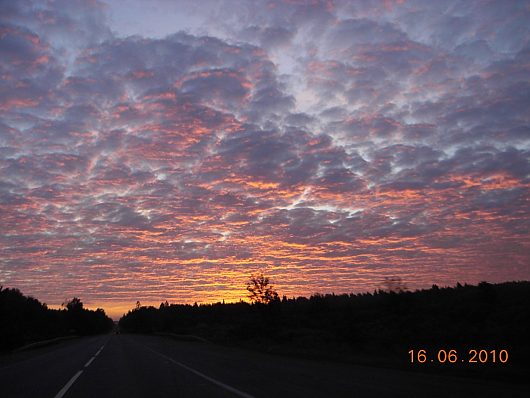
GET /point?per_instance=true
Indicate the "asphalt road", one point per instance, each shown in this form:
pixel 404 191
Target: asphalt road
pixel 151 366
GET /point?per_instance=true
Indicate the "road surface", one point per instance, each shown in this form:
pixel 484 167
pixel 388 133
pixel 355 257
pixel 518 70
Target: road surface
pixel 153 366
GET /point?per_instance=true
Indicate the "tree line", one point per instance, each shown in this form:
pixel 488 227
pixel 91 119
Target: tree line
pixel 393 320
pixel 24 320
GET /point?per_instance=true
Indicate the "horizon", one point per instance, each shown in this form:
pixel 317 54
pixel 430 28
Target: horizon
pixel 117 311
pixel 167 151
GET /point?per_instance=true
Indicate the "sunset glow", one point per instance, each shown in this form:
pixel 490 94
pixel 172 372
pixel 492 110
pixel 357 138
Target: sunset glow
pixel 159 150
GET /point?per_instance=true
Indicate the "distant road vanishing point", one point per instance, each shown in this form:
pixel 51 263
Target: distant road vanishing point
pixel 153 366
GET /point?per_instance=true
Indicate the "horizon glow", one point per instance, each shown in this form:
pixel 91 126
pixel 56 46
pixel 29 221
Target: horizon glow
pixel 166 151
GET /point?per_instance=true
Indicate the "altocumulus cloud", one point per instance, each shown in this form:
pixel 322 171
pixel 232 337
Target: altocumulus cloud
pixel 332 143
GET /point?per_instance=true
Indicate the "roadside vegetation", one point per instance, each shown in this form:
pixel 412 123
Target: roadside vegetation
pixel 25 320
pixel 379 326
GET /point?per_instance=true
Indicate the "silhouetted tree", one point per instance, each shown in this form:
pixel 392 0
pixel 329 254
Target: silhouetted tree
pixel 24 319
pixel 394 285
pixel 74 305
pixel 488 315
pixel 260 290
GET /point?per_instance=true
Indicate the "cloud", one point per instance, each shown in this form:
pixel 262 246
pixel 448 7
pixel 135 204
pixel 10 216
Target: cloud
pixel 332 143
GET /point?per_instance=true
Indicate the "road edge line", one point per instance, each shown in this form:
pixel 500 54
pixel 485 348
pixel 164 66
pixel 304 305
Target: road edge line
pixel 89 362
pixel 200 374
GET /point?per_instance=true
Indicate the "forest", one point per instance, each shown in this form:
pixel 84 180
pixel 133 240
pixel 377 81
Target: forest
pixel 25 320
pixel 383 324
pixel 377 328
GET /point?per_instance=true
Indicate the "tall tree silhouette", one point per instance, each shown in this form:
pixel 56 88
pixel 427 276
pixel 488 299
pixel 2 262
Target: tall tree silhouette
pixel 74 305
pixel 260 289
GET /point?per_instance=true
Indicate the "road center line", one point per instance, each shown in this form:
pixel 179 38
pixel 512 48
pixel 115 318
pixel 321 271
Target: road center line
pixel 97 353
pixel 63 391
pixel 196 372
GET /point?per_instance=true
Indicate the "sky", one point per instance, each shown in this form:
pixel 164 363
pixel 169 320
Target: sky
pixel 160 150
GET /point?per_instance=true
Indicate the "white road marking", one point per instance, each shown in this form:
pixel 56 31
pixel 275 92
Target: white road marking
pixel 196 372
pixel 97 353
pixel 90 361
pixel 63 391
pixel 37 357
